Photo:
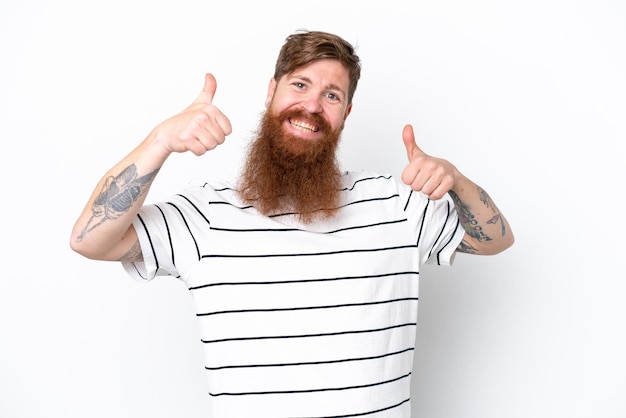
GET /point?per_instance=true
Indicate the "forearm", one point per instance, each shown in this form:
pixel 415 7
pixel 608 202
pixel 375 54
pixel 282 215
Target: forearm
pixel 487 230
pixel 103 230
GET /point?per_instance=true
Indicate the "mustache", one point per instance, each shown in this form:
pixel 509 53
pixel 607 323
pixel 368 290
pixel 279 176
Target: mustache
pixel 315 119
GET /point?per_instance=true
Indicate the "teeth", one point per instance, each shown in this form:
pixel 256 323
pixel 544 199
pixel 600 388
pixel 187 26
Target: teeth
pixel 303 126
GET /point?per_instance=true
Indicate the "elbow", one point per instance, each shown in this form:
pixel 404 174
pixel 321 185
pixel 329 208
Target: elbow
pixel 80 245
pixel 508 244
pixel 103 247
pixel 504 243
pixel 491 247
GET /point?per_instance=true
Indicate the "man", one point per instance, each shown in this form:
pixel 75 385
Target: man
pixel 304 278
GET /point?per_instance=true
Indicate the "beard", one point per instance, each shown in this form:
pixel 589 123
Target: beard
pixel 285 174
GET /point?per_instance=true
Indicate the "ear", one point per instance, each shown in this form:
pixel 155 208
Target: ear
pixel 348 110
pixel 270 92
pixel 345 116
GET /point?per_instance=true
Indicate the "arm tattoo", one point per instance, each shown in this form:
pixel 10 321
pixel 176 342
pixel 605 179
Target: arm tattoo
pixel 468 220
pixel 484 197
pixel 117 196
pixel 471 225
pixel 134 254
pixel 465 247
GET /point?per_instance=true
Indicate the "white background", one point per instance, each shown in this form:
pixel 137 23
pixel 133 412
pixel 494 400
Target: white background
pixel 528 98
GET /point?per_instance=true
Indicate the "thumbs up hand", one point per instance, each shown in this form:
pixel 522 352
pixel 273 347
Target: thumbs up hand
pixel 199 128
pixel 429 175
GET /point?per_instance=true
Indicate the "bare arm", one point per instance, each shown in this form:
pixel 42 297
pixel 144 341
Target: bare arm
pixel 486 230
pixel 104 229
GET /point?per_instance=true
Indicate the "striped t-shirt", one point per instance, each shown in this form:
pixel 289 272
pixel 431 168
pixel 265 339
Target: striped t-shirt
pixel 302 320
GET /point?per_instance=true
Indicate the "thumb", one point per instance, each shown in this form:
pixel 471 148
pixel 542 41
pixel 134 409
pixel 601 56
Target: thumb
pixel 208 90
pixel 408 137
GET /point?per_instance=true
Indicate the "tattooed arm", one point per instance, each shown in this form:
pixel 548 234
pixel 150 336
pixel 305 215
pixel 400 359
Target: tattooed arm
pixel 486 230
pixel 104 229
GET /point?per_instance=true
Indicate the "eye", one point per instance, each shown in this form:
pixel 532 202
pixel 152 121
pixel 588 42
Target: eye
pixel 334 96
pixel 299 85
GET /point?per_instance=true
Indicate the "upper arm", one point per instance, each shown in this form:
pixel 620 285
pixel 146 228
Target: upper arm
pixel 129 249
pixel 472 245
pixel 468 245
pixel 104 248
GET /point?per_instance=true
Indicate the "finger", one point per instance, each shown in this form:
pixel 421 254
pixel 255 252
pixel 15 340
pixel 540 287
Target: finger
pixel 410 171
pixel 203 141
pixel 208 90
pixel 215 133
pixel 408 137
pixel 432 187
pixel 224 124
pixel 442 188
pixel 410 174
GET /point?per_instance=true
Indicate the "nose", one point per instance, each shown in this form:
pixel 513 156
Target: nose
pixel 312 104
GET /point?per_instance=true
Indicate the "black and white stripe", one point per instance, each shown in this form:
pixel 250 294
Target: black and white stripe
pixel 303 320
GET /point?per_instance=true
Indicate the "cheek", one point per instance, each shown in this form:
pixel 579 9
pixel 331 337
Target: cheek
pixel 278 106
pixel 338 121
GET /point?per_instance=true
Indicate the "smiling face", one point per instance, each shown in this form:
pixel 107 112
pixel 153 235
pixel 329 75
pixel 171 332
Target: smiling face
pixel 291 166
pixel 313 98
